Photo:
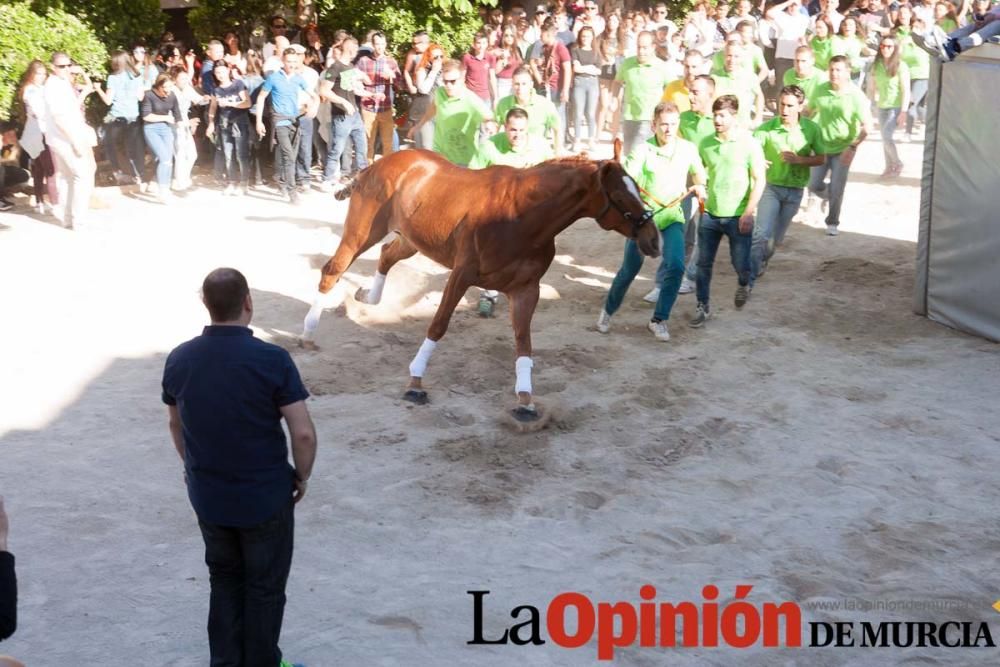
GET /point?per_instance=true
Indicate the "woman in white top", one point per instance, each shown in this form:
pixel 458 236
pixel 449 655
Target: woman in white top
pixel 32 96
pixel 185 151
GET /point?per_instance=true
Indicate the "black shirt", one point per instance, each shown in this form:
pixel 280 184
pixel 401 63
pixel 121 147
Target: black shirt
pixel 231 94
pixel 229 387
pixel 161 106
pixel 335 75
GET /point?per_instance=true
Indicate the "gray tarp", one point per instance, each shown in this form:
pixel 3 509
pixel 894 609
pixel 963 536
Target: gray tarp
pixel 958 252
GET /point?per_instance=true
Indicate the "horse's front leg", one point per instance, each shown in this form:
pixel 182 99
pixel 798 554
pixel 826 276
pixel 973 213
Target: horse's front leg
pixel 522 308
pixel 454 290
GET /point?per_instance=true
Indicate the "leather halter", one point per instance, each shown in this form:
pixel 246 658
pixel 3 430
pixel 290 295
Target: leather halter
pixel 637 223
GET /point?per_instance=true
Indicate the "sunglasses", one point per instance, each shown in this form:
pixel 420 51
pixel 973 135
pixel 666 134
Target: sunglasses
pixel 449 82
pixel 279 27
pixel 63 66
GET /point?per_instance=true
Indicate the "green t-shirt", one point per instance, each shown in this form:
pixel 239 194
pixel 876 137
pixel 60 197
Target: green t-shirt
pixel 889 88
pixel 695 127
pixel 728 164
pixel 775 138
pixel 542 114
pixel 753 60
pixel 807 84
pixel 456 124
pixel 644 84
pixel 663 173
pixel 744 85
pixel 822 51
pixel 840 115
pixel 948 25
pixel 917 60
pixel 497 150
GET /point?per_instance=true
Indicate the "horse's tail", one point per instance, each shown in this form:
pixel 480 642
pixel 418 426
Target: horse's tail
pixel 347 190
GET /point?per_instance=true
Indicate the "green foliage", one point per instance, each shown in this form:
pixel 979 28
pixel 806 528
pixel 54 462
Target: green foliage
pixel 450 23
pixel 26 35
pixel 210 20
pixel 118 23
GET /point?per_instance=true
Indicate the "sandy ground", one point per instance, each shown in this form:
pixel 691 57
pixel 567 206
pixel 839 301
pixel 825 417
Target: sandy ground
pixel 823 444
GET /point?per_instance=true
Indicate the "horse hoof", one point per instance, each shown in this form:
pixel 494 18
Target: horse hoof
pixel 308 345
pixel 525 414
pixel 417 396
pixel 361 295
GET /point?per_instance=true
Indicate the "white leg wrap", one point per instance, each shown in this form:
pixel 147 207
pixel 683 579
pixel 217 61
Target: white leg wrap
pixel 315 312
pixel 419 363
pixel 523 367
pixel 375 293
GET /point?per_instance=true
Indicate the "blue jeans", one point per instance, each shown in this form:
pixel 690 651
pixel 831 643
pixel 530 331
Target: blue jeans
pixel 918 108
pixel 234 142
pixel 160 139
pixel 342 127
pixel 887 119
pixel 778 205
pixel 710 233
pixel 671 266
pixel 832 192
pixel 585 91
pixel 692 215
pixel 635 132
pixel 248 570
pixel 554 96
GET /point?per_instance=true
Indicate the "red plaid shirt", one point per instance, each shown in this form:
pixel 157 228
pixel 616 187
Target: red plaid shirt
pixel 377 70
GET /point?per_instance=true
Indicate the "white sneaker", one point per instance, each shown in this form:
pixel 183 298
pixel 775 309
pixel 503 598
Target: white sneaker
pixel 229 191
pixel 831 230
pixel 687 286
pixel 152 187
pixel 325 187
pixel 652 296
pixel 659 330
pixel 604 322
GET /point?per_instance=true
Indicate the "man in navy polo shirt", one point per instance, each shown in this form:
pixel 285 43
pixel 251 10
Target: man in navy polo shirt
pixel 226 393
pixel 283 88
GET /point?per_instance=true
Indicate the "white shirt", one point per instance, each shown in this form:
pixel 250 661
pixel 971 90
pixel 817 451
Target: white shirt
pixel 835 20
pixel 61 102
pixel 34 110
pixel 791 30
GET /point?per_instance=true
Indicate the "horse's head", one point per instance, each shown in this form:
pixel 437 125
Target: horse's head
pixel 624 210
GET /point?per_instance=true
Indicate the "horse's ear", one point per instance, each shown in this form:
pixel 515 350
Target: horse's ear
pixel 618 149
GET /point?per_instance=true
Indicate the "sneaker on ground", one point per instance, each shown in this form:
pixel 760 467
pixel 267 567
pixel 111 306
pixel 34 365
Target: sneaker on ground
pixel 6 205
pixel 741 297
pixel 687 286
pixel 604 322
pixel 151 188
pixel 831 230
pixel 293 198
pixel 230 190
pixel 659 330
pixel 325 186
pixel 652 296
pixel 701 316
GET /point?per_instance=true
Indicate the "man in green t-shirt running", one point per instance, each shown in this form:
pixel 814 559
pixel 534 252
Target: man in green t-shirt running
pixel 644 78
pixel 791 145
pixel 513 147
pixel 661 168
pixel 735 164
pixel 842 112
pixel 543 118
pixel 804 73
pixel 458 114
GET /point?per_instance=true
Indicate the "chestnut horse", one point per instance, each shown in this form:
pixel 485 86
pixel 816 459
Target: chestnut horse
pixel 494 228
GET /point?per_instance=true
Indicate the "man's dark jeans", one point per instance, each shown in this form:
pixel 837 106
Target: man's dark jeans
pixel 710 233
pixel 248 569
pixel 288 138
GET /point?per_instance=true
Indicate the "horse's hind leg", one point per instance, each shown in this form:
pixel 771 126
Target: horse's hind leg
pixel 365 227
pixel 395 251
